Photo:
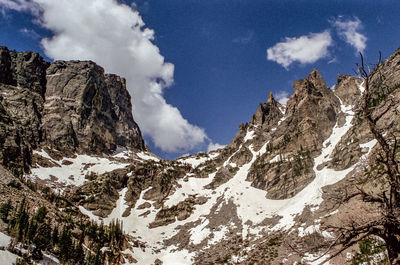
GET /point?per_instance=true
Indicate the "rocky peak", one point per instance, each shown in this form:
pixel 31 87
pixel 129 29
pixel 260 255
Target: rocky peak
pixel 267 113
pixel 88 111
pixel 311 113
pixel 313 85
pixel 271 98
pixel 313 105
pixel 69 106
pixel 316 79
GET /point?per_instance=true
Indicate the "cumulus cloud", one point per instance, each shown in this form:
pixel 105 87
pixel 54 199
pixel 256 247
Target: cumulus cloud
pixel 212 146
pixel 115 36
pixel 348 30
pixel 282 97
pixel 304 49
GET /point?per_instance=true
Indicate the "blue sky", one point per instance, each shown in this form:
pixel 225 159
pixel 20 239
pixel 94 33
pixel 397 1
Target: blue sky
pixel 210 55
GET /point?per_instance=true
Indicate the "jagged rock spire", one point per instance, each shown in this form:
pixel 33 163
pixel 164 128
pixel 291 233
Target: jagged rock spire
pixel 271 98
pixel 316 79
pixel 266 112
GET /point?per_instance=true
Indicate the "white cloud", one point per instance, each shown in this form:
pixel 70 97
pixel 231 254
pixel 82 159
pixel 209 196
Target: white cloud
pixel 212 146
pixel 348 31
pixel 115 36
pixel 304 49
pixel 282 97
pixel 19 5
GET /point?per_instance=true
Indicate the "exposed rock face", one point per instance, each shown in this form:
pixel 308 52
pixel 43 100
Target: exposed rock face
pixel 69 106
pixel 127 131
pixel 311 110
pixel 311 113
pixel 347 89
pixel 22 87
pixel 386 77
pixel 23 69
pixel 267 113
pixel 88 111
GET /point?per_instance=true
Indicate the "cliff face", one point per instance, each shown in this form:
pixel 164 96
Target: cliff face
pixel 68 106
pixel 22 89
pixel 87 111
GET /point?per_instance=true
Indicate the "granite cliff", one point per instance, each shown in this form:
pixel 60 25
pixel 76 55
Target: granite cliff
pixel 72 107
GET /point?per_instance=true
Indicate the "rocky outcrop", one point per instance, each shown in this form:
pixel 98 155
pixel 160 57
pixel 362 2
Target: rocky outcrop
pixel 22 88
pixel 267 113
pixel 385 78
pixel 87 111
pixel 68 106
pixel 311 111
pixel 127 131
pixel 286 167
pixel 347 89
pixel 23 70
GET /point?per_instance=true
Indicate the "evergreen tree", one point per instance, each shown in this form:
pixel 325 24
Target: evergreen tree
pixel 41 214
pixel 5 209
pixel 79 254
pixel 31 231
pixel 42 239
pixel 54 236
pixel 21 223
pixel 66 245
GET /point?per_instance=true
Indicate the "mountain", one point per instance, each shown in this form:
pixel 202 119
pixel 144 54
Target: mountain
pixel 277 194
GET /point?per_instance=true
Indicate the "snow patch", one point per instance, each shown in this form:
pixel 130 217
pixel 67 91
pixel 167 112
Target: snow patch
pixel 7 258
pixel 315 259
pixel 200 232
pixel 89 214
pixel 5 240
pixel 75 172
pixel 218 235
pixel 120 208
pixel 249 135
pixel 195 161
pixel 147 156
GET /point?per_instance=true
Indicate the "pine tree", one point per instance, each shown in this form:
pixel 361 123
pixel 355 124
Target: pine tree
pixel 31 231
pixel 42 239
pixel 66 245
pixel 21 222
pixel 5 209
pixel 54 236
pixel 41 214
pixel 79 254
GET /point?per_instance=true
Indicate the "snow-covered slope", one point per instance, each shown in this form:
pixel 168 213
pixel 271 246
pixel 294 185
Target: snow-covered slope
pixel 248 202
pixel 233 209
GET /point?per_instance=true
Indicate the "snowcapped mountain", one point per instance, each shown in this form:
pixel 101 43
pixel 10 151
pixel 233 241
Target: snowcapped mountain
pixel 271 196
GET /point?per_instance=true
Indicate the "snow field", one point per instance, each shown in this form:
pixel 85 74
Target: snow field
pixel 74 173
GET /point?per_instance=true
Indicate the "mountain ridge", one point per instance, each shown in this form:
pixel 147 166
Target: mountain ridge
pixel 277 183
